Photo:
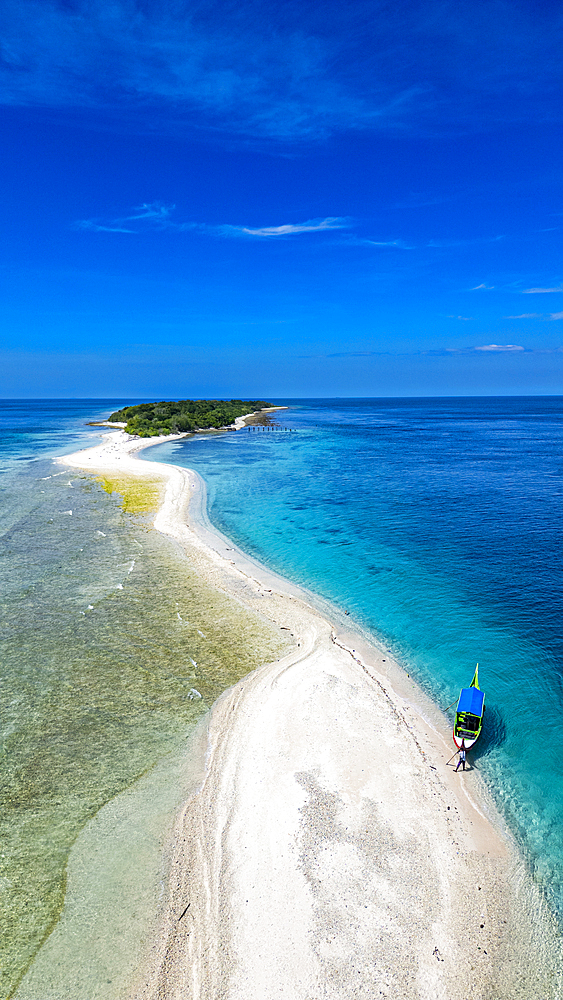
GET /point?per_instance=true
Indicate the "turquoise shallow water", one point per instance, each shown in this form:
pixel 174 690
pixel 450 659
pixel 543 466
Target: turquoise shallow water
pixel 437 524
pixel 111 651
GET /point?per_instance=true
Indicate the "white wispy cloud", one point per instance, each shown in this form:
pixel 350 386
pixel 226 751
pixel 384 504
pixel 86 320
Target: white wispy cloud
pixel 541 291
pixel 284 70
pixel 149 215
pixel 158 217
pixel 155 211
pixel 478 288
pixel 556 315
pixel 290 229
pixel 363 241
pixel 235 68
pixel 96 227
pixel 433 244
pixel 398 244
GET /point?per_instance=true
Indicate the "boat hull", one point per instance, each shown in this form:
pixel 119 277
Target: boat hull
pixel 468 743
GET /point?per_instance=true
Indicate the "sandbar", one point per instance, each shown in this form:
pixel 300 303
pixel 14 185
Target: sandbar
pixel 329 850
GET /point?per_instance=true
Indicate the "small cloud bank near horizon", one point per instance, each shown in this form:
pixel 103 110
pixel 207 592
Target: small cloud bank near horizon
pixel 499 347
pixel 485 349
pixel 156 371
pixel 482 349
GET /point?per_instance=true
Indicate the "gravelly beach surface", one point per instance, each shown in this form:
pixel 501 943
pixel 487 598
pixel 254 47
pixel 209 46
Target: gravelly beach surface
pixel 329 850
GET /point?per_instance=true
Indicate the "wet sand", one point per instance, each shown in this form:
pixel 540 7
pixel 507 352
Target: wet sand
pixel 329 850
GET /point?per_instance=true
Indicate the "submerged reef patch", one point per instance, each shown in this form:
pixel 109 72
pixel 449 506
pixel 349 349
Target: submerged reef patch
pixel 107 633
pixel 139 496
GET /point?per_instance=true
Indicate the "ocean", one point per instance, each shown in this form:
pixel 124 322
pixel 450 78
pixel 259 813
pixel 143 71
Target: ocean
pixel 435 523
pixel 112 650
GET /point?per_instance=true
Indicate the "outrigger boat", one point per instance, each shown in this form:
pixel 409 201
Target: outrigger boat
pixel 469 714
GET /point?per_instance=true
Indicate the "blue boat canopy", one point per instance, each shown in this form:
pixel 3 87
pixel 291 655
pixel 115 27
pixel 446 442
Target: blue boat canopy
pixel 471 700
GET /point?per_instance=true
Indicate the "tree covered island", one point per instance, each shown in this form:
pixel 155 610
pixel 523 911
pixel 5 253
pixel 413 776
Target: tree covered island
pixel 152 419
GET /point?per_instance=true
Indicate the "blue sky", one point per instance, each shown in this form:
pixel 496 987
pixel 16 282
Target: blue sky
pixel 281 199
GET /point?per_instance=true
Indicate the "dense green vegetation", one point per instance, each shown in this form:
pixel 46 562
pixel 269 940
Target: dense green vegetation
pixel 151 419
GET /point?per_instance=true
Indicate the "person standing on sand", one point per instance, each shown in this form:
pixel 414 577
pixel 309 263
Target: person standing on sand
pixel 461 756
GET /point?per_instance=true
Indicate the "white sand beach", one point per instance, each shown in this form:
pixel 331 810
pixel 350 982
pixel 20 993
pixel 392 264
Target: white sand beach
pixel 329 851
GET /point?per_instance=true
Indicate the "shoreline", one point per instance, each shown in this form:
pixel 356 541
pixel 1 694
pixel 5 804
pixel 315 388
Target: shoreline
pixel 474 941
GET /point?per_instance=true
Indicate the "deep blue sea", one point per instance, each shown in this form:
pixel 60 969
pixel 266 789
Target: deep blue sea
pixel 436 523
